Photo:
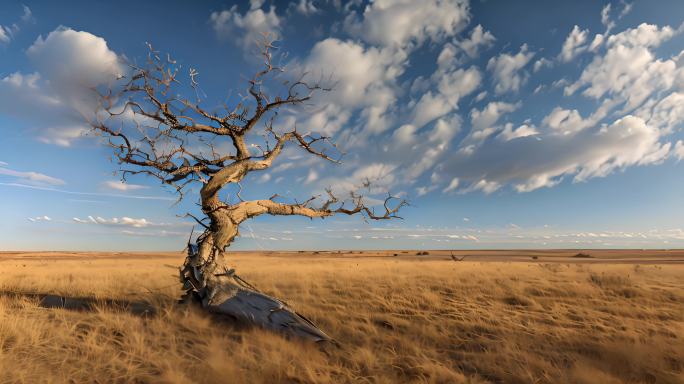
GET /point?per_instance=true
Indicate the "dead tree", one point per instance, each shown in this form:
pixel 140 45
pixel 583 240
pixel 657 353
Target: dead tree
pixel 154 131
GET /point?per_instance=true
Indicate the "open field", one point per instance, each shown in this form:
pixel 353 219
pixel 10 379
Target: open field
pixel 496 316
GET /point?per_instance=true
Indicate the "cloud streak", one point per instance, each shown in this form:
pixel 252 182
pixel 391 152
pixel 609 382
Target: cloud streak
pixel 68 192
pixel 36 178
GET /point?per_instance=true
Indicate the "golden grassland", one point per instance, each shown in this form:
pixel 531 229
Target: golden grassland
pixel 614 318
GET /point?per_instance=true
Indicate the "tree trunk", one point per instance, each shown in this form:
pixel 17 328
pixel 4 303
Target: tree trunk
pixel 208 280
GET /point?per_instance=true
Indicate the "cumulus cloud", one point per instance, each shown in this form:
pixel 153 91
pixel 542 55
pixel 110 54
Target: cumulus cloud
pixel 67 62
pixel 250 27
pixel 72 59
pixel 479 39
pixel 415 153
pixel 490 114
pixel 33 178
pixel 628 72
pixel 452 86
pixel 365 79
pixel 541 64
pixel 406 24
pixel 507 70
pixel 566 122
pixel 574 44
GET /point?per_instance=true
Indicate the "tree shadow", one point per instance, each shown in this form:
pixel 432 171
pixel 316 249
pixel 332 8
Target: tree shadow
pixel 85 304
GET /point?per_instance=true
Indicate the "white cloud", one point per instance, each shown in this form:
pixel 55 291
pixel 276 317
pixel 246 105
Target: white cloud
pixel 37 187
pixel 531 164
pixel 483 185
pixel 679 150
pixel 249 28
pixel 68 63
pixel 365 81
pixel 644 35
pixel 566 122
pixel 451 88
pixel 452 185
pixel 471 46
pixel 628 72
pixel 39 219
pixel 524 130
pixel 605 18
pixel 305 7
pixel 147 233
pixel 62 136
pixel 605 15
pixel 33 178
pixel 264 178
pixel 405 24
pixel 123 187
pixel 379 175
pixel 627 9
pixel 71 59
pixel 424 190
pixel 668 113
pixel 596 42
pixel 311 177
pixel 453 85
pixel 116 221
pixel 541 64
pixel 490 114
pixel 507 70
pixel 574 44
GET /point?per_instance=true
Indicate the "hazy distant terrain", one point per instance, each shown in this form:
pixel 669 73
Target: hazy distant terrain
pixel 496 316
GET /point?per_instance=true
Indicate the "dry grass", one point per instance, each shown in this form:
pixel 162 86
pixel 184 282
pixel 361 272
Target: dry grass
pixel 398 319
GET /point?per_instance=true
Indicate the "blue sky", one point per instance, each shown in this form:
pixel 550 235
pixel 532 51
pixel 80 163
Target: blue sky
pixel 505 124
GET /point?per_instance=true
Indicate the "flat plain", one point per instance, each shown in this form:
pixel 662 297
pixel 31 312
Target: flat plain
pixel 523 316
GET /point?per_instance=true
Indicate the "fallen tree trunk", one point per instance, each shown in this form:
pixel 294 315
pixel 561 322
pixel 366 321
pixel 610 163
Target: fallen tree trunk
pixel 208 281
